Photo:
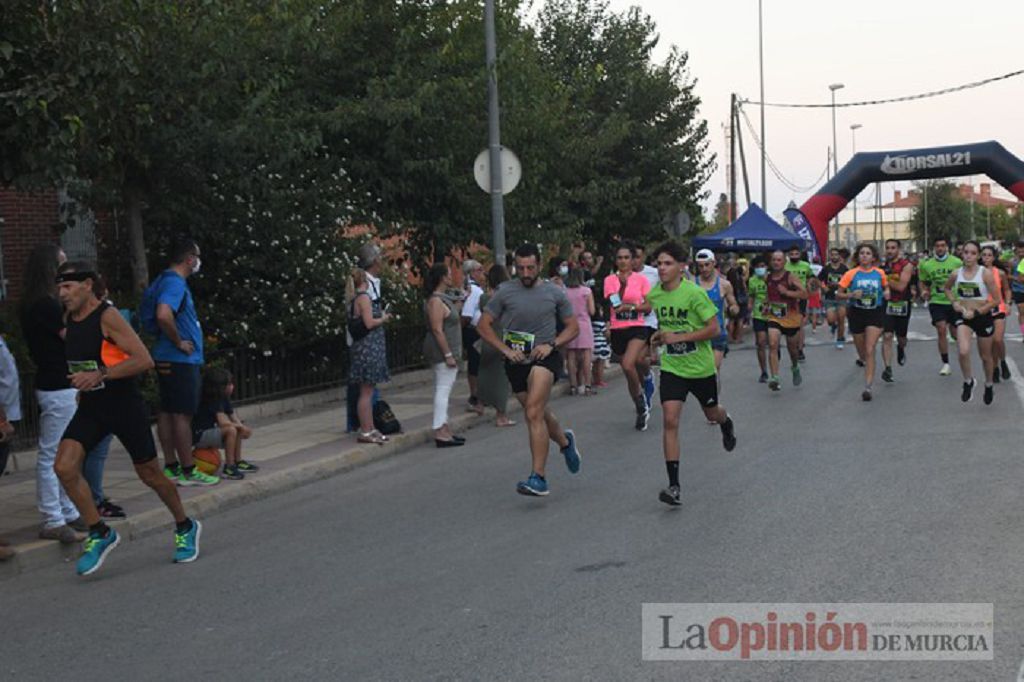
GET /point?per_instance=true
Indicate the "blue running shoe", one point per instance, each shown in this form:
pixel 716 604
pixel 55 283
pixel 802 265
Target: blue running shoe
pixel 649 388
pixel 572 452
pixel 186 545
pixel 534 485
pixel 95 550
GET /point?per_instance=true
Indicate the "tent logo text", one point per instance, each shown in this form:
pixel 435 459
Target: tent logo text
pixel 901 165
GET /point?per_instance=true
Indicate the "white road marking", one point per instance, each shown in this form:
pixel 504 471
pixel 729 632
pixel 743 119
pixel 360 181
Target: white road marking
pixel 1018 384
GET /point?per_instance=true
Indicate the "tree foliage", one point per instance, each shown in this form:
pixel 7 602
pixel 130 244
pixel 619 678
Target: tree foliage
pixel 951 215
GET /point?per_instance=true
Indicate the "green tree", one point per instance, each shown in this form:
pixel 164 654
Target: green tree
pixel 720 218
pixel 948 214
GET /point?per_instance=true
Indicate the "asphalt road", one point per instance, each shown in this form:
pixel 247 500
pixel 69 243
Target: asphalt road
pixel 429 566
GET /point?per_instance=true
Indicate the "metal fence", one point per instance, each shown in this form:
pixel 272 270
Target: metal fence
pixel 262 375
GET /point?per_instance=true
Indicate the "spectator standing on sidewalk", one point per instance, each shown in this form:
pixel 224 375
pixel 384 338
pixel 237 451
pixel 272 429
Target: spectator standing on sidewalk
pixel 474 277
pixel 10 411
pixel 42 324
pixel 178 353
pixel 442 347
pixel 580 349
pixel 494 387
pixel 368 353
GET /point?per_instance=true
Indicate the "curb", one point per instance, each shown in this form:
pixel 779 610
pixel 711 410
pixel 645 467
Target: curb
pixel 43 553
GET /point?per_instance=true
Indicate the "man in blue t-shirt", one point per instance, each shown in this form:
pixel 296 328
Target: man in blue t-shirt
pixel 178 354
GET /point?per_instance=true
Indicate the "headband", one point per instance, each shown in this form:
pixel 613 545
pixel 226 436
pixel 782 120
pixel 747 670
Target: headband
pixel 75 276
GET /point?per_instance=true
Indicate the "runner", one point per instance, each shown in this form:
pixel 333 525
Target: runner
pixel 758 291
pixel 802 269
pixel 933 273
pixel 867 289
pixel 1002 278
pixel 104 356
pixel 687 322
pixel 625 291
pixel 721 294
pixel 783 313
pixel 835 310
pixel 528 311
pixel 1017 284
pixel 645 362
pixel 974 294
pixel 900 273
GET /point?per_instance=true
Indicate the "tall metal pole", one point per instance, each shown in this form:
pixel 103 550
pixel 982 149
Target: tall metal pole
pixel 835 146
pixel 764 143
pixel 494 135
pixel 732 159
pixel 853 134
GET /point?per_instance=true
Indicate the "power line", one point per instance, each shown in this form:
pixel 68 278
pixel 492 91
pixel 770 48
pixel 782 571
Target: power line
pixel 907 98
pixel 792 186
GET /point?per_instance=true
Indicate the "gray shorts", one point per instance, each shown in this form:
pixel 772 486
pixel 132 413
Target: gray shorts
pixel 210 438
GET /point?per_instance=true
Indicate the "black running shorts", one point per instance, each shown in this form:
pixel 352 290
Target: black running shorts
pixel 1018 297
pixel 125 417
pixel 983 325
pixel 519 375
pixel 179 387
pixel 786 331
pixel 760 325
pixel 622 337
pixel 704 389
pixel 941 312
pixel 860 319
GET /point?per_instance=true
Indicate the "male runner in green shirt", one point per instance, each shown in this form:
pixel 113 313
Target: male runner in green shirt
pixel 796 264
pixel 933 273
pixel 687 321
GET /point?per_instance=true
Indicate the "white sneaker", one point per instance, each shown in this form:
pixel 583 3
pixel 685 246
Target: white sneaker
pixel 945 371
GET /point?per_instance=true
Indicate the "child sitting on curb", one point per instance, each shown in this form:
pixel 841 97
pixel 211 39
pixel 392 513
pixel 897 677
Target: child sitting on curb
pixel 215 424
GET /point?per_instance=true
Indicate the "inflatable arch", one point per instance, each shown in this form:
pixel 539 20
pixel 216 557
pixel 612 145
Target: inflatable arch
pixel 865 168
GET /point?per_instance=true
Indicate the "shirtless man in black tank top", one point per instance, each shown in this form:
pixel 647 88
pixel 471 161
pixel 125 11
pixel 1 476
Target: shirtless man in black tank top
pixel 104 356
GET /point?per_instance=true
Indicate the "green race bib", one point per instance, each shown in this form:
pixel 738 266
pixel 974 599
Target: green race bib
pixel 898 308
pixel 520 341
pixel 778 309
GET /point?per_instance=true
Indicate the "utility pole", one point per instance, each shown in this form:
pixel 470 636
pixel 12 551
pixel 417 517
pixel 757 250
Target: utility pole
pixel 764 143
pixel 494 135
pixel 732 158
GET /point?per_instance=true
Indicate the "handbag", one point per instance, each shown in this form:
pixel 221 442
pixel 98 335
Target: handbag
pixel 356 327
pixel 384 420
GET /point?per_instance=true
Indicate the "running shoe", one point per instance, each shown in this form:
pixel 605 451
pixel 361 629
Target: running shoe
pixel 109 510
pixel 649 389
pixel 901 355
pixel 775 383
pixel 797 379
pixel 172 472
pixel 801 357
pixel 1005 369
pixel 571 452
pixel 95 550
pixel 728 434
pixel 534 485
pixel 840 344
pixel 670 496
pixel 763 379
pixel 860 363
pixel 643 413
pixel 945 371
pixel 196 478
pixel 231 471
pixel 968 391
pixel 988 395
pixel 247 467
pixel 866 395
pixel 186 545
pixel 887 375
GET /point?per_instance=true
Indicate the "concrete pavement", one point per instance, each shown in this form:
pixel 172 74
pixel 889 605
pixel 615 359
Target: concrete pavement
pixel 429 566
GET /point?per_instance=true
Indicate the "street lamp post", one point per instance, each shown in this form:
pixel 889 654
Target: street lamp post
pixel 853 133
pixel 835 147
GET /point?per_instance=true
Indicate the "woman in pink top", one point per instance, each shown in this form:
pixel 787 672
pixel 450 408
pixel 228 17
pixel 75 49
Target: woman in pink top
pixel 579 350
pixel 626 292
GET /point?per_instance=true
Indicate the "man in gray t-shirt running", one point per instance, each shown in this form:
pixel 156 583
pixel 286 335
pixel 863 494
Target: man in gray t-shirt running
pixel 529 310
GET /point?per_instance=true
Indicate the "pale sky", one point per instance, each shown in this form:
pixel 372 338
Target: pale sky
pixel 878 49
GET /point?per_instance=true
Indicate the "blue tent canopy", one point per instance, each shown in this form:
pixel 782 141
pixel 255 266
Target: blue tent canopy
pixel 752 231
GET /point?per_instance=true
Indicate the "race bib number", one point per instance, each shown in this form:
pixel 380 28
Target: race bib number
pixel 520 341
pixel 833 278
pixel 627 316
pixel 968 290
pixel 866 301
pixel 898 308
pixel 681 348
pixel 76 366
pixel 778 309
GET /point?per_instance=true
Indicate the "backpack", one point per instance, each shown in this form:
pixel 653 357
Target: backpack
pixel 384 420
pixel 147 307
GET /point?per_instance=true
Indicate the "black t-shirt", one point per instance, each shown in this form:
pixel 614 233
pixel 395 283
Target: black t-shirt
pixel 830 277
pixel 41 325
pixel 206 416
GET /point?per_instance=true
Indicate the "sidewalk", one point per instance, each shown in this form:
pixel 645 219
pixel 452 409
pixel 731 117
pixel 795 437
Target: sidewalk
pixel 291 450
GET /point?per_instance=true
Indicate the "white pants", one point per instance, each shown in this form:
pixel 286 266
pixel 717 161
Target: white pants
pixel 444 379
pixel 56 408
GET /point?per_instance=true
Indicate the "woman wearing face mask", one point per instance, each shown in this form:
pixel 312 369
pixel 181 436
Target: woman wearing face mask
pixel 757 290
pixel 558 270
pixel 974 294
pixel 867 289
pixel 1001 275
